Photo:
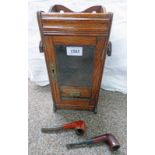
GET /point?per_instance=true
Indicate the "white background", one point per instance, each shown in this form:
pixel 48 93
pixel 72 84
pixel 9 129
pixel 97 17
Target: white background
pixel 14 68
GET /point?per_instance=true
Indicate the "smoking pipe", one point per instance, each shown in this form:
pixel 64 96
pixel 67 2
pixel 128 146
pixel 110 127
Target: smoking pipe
pixel 78 126
pixel 108 138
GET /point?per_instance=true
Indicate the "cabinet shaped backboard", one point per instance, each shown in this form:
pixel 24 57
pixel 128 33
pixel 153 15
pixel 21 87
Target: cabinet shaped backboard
pixel 75 47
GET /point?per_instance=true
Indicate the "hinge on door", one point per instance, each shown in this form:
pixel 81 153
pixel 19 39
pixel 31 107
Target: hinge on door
pixel 53 74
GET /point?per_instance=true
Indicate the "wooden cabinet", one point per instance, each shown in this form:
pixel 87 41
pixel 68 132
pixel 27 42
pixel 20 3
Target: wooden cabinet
pixel 75 47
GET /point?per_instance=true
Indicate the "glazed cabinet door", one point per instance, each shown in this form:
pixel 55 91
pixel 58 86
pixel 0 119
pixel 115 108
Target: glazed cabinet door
pixel 75 68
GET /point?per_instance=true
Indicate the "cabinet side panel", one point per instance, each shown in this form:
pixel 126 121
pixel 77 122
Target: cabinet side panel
pixel 98 67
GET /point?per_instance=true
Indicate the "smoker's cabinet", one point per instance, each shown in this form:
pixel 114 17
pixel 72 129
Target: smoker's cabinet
pixel 75 47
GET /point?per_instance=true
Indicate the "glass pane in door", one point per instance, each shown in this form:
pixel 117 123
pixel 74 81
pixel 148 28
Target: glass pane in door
pixel 75 67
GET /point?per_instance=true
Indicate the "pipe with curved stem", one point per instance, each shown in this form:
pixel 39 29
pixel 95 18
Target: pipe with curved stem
pixel 107 138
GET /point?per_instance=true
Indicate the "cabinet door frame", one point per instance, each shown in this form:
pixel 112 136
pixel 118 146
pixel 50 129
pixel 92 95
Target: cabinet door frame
pixel 98 60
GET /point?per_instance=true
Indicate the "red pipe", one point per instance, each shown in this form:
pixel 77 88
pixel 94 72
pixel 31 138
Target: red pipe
pixel 78 126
